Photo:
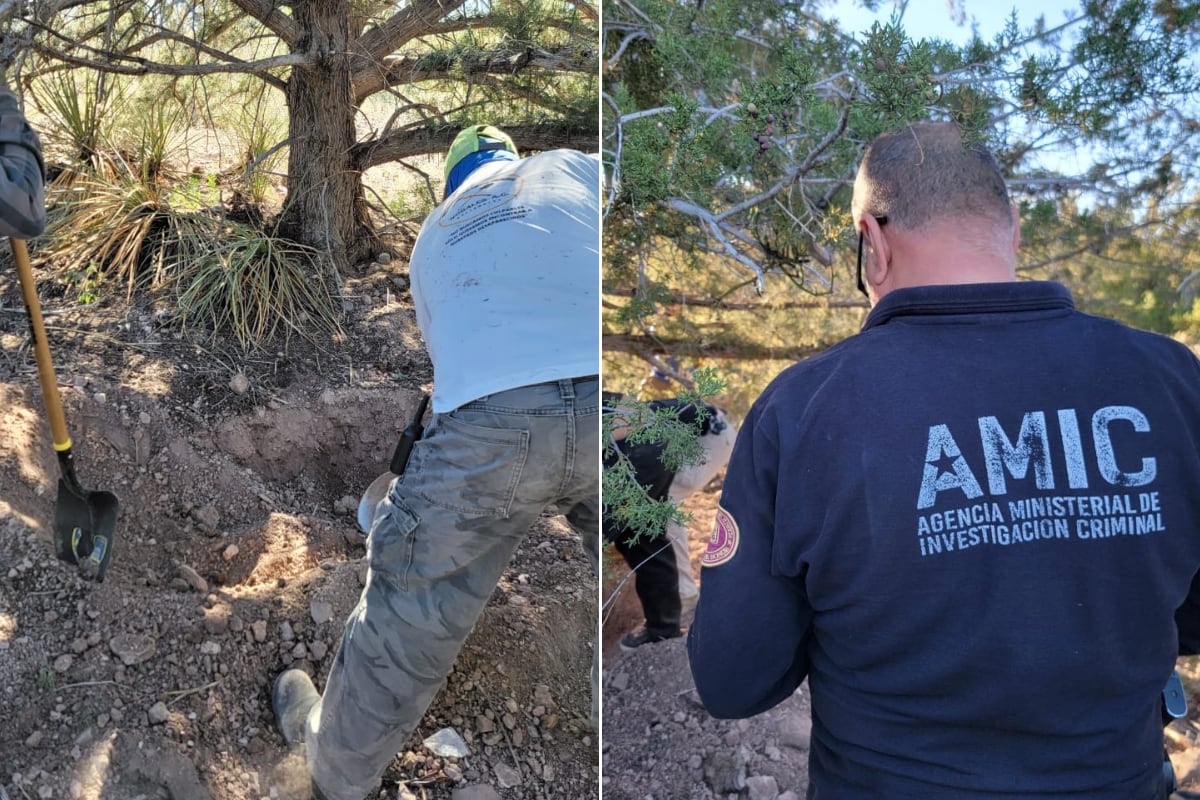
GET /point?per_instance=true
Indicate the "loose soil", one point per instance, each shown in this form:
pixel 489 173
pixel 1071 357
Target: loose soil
pixel 238 556
pixel 660 744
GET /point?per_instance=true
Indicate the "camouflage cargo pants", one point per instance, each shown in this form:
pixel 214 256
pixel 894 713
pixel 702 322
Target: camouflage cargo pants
pixel 439 544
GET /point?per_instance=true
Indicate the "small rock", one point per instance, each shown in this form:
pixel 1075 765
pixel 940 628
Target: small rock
pixel 762 787
pixel 193 578
pixel 321 611
pixel 447 744
pixel 144 417
pixel 548 773
pixel 620 681
pixel 210 648
pixel 79 646
pixel 383 257
pixel 453 773
pixel 484 725
pixel 542 696
pixel 1187 765
pixel 256 745
pixel 46 792
pixel 216 620
pixel 208 516
pixel 63 663
pixel 318 650
pixel 230 553
pixel 480 791
pixel 34 739
pixel 695 761
pixel 346 504
pixel 725 771
pixel 158 713
pixel 509 721
pixel 285 632
pixel 789 795
pixel 239 383
pixel 299 651
pixel 550 721
pixel 259 629
pixel 506 776
pixel 796 731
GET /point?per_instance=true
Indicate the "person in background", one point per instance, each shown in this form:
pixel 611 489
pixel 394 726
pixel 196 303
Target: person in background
pixel 661 563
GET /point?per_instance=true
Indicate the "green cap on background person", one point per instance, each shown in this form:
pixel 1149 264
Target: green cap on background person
pixel 473 147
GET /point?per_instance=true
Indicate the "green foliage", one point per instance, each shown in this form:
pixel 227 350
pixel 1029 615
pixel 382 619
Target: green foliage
pixel 733 130
pixel 625 500
pixel 46 679
pixel 234 277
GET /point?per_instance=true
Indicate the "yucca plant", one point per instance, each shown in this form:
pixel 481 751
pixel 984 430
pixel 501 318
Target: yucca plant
pixel 259 128
pixel 77 106
pixel 112 224
pixel 237 278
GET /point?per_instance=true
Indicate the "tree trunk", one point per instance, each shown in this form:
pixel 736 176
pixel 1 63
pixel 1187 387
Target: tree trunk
pixel 325 206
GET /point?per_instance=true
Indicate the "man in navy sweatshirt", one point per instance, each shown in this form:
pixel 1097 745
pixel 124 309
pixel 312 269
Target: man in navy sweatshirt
pixel 974 526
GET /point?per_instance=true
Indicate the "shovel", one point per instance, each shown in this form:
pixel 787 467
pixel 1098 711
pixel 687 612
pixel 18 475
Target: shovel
pixel 85 521
pixel 379 487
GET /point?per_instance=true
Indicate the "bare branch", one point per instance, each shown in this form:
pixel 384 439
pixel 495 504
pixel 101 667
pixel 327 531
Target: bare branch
pixel 423 141
pixel 586 9
pixel 800 170
pixel 729 347
pixel 375 45
pixel 717 230
pixel 629 39
pixel 141 66
pixel 412 68
pixel 268 14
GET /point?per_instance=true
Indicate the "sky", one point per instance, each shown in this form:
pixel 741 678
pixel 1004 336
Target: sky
pixel 934 19
pixel 931 19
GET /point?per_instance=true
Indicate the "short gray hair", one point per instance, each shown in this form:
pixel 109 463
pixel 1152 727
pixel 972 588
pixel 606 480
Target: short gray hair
pixel 923 173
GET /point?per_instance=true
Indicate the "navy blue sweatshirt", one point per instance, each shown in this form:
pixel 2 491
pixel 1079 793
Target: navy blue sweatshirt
pixel 970 527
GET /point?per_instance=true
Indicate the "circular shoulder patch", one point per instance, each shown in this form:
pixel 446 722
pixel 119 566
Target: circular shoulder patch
pixel 724 540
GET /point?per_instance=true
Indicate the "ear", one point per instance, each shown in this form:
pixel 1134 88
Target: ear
pixel 1016 239
pixel 879 259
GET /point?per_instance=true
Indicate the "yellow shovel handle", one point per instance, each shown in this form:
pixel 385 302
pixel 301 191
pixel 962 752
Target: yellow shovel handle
pixel 41 348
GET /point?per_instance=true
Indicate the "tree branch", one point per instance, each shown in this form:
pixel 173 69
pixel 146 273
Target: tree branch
pixel 740 349
pixel 413 67
pixel 407 143
pixel 725 305
pixel 279 23
pixel 372 48
pixel 140 66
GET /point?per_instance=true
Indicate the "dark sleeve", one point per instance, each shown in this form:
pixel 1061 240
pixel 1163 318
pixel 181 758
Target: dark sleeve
pixel 22 194
pixel 747 644
pixel 1187 619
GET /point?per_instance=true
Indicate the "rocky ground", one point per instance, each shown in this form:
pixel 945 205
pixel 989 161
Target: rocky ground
pixel 237 556
pixel 660 744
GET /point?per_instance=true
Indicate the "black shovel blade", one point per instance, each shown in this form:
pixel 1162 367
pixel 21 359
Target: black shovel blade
pixel 85 527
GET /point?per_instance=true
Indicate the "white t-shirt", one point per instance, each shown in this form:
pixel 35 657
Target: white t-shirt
pixel 506 275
